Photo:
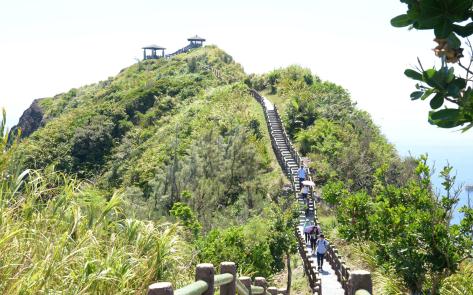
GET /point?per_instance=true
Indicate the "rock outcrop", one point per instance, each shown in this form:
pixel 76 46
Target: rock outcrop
pixel 31 120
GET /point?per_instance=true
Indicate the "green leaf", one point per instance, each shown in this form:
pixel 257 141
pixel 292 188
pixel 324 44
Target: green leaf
pixel 437 101
pixel 445 114
pixel 460 83
pixel 463 31
pixel 453 90
pixel 450 75
pixel 443 29
pixel 430 73
pixel 431 14
pixel 427 93
pixel 400 21
pixel 436 79
pixel 458 9
pixel 413 74
pixel 416 95
pixel 453 41
pixel 446 118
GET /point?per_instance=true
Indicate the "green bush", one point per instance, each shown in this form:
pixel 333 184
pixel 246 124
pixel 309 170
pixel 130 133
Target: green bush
pixel 334 192
pixel 184 214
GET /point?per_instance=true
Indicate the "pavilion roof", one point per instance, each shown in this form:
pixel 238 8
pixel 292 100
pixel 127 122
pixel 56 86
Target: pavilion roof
pixel 196 38
pixel 153 46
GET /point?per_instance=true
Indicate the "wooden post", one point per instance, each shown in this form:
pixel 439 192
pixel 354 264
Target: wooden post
pixel 162 288
pixel 247 282
pixel 230 288
pixel 261 282
pixel 206 272
pixel 360 279
pixel 273 290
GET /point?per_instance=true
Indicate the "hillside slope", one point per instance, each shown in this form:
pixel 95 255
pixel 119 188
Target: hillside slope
pixel 162 131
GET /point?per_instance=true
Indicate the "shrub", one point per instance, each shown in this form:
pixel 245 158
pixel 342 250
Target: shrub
pixel 334 192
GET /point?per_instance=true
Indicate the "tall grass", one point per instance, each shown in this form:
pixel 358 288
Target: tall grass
pixel 59 235
pixel 461 282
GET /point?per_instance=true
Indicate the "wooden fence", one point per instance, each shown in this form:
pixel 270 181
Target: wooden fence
pixel 206 281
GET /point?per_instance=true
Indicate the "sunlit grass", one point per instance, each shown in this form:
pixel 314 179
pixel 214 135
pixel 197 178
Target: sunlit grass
pixel 58 234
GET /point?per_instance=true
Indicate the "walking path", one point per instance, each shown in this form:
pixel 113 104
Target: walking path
pixel 281 144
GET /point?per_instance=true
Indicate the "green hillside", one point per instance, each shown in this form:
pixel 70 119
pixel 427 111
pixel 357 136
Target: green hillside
pixel 148 130
pixel 116 185
pixel 138 178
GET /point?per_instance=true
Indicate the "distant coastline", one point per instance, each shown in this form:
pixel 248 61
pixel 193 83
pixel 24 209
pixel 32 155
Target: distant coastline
pixel 460 157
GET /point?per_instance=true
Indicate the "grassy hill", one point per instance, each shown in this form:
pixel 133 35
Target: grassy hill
pixel 144 131
pixel 138 178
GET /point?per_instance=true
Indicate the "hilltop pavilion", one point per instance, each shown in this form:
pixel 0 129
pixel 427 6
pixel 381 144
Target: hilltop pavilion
pixel 153 48
pixel 196 41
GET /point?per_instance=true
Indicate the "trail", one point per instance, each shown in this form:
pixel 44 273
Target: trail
pixel 290 161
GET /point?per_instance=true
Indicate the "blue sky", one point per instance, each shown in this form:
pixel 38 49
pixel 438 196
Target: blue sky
pixel 50 46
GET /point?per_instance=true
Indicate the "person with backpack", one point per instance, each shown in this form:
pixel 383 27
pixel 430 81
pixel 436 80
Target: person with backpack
pixel 306 228
pixel 321 248
pixel 313 237
pixel 307 206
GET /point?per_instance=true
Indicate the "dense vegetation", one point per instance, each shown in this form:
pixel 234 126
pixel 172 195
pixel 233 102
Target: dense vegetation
pixel 164 131
pixel 59 233
pixel 138 178
pixel 381 202
pixel 341 140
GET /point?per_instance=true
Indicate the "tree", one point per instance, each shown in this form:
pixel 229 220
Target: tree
pixel 91 143
pixel 185 215
pixel 452 23
pixel 411 227
pixel 282 240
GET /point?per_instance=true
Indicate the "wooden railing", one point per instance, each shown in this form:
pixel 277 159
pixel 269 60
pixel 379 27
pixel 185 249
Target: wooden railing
pixel 351 281
pixel 358 281
pixel 206 281
pixel 182 50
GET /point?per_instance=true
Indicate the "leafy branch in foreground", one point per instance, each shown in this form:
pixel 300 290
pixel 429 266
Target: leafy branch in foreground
pixel 451 21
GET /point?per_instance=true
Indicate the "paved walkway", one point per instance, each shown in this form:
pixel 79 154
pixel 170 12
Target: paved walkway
pixel 330 284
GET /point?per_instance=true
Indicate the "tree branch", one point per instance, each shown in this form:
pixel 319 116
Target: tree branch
pixel 451 100
pixel 465 68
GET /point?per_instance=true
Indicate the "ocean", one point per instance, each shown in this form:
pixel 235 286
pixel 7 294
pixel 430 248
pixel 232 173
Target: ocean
pixel 458 156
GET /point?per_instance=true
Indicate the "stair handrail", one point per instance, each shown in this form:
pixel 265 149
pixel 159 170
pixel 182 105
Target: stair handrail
pixel 206 281
pixel 351 281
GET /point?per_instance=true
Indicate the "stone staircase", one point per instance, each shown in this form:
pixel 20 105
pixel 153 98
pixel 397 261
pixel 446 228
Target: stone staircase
pixel 290 161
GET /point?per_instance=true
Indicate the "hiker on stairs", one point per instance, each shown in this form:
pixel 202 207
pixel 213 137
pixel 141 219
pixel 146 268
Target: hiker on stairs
pixel 321 247
pixel 305 191
pixel 301 175
pixel 313 237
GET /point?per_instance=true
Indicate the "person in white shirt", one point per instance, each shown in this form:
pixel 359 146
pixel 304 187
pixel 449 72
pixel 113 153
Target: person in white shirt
pixel 321 247
pixel 305 191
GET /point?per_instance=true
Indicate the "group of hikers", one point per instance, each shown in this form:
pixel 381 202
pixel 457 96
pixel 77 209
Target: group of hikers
pixel 313 233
